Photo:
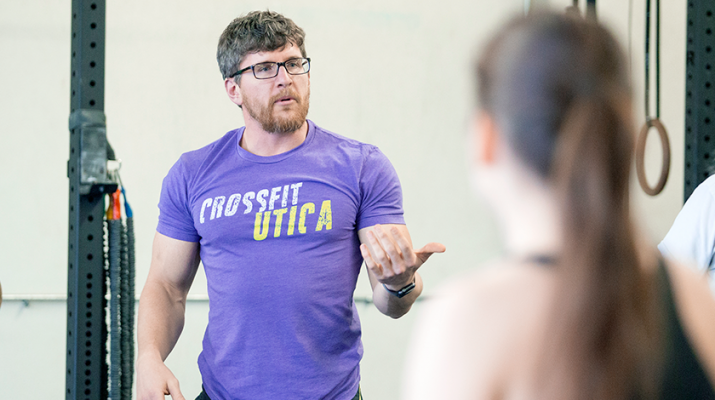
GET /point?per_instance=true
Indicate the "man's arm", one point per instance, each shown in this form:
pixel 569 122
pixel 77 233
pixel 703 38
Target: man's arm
pixel 691 239
pixel 392 264
pixel 161 315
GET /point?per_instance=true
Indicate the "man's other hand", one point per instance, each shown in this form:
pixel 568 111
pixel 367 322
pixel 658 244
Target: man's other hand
pixel 155 380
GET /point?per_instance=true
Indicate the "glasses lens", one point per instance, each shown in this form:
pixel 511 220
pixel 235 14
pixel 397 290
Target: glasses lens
pixel 297 66
pixel 265 70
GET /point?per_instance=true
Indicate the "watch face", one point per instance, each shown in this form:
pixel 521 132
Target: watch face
pixel 402 292
pixel 405 290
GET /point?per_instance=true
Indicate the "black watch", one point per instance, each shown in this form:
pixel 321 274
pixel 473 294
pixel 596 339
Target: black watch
pixel 402 292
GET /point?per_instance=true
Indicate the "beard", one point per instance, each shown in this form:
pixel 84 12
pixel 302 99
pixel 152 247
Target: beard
pixel 289 121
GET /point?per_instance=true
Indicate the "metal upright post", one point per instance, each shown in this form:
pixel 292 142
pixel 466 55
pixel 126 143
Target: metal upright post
pixel 700 95
pixel 86 170
pixel 591 10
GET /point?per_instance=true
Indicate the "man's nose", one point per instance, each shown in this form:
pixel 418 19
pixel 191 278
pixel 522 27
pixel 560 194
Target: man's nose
pixel 283 77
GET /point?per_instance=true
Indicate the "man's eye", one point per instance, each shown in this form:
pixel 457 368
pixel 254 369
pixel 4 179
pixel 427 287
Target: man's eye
pixel 264 67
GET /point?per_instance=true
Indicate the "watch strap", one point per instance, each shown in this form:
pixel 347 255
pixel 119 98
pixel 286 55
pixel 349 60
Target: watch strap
pixel 402 292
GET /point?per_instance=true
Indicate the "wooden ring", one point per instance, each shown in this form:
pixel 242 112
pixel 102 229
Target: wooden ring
pixel 640 155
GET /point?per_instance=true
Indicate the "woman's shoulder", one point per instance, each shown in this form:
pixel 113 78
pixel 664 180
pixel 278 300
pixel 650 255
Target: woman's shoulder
pixel 476 329
pixel 496 304
pixel 498 280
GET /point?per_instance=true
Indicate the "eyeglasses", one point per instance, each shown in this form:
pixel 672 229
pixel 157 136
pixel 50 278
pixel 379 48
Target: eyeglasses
pixel 268 70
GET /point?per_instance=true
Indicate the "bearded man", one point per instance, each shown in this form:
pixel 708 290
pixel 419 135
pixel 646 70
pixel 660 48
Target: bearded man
pixel 281 213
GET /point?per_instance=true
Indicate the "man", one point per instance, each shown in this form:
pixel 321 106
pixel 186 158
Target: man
pixel 692 236
pixel 279 212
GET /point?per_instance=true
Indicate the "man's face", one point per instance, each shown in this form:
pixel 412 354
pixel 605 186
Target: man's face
pixel 279 104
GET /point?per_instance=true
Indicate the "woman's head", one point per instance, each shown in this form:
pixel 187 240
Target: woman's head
pixel 536 74
pixel 555 90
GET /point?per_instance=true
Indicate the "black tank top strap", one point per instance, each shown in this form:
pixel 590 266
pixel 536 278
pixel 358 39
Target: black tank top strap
pixel 546 260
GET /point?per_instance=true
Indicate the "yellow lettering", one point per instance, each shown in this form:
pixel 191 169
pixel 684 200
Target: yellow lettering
pixel 279 221
pixel 291 221
pixel 306 208
pixel 258 233
pixel 326 217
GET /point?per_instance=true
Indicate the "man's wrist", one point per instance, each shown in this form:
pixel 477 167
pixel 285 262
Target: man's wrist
pixel 403 290
pixel 395 288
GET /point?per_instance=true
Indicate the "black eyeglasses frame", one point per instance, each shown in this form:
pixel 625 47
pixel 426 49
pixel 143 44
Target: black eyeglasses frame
pixel 278 67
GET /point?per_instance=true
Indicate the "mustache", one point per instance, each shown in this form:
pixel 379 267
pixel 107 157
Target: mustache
pixel 286 93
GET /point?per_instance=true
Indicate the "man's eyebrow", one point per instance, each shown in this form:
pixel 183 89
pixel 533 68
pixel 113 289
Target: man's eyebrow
pixel 287 59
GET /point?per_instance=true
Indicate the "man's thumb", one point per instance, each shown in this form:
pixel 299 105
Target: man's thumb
pixel 430 248
pixel 174 390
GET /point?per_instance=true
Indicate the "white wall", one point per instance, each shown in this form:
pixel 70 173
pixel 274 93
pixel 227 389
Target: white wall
pixel 164 96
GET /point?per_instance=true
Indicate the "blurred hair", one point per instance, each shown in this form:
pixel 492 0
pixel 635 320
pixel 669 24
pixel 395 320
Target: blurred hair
pixel 254 32
pixel 558 88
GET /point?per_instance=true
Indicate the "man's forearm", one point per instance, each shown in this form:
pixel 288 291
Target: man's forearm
pixel 391 305
pixel 160 320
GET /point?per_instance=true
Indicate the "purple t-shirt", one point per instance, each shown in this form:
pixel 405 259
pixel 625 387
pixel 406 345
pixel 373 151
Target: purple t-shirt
pixel 280 249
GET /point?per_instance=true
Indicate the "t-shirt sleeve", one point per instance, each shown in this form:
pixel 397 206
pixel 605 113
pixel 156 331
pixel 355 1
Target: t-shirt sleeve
pixel 175 220
pixel 380 191
pixel 692 236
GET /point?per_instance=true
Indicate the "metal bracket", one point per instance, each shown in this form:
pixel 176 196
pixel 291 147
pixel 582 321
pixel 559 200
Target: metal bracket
pixel 93 151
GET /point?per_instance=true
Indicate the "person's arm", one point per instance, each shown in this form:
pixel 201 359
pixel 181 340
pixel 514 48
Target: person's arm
pixel 691 238
pixel 392 264
pixel 695 307
pixel 161 315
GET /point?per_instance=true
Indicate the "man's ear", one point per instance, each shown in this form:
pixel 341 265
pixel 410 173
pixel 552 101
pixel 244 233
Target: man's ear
pixel 233 91
pixel 486 138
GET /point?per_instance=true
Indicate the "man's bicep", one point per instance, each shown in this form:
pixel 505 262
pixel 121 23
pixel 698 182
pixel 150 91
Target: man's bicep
pixel 380 192
pixel 174 262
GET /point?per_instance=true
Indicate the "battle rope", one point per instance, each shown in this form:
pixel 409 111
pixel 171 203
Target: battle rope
pixel 127 303
pixel 652 122
pixel 114 224
pixel 121 296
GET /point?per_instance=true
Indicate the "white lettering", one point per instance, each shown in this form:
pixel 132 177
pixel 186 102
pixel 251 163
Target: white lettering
pixel 217 209
pixel 267 200
pixel 207 204
pixel 295 188
pixel 247 201
pixel 232 205
pixel 274 197
pixel 284 199
pixel 261 198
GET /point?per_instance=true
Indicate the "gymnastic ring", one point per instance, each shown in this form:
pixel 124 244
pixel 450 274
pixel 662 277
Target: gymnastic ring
pixel 640 155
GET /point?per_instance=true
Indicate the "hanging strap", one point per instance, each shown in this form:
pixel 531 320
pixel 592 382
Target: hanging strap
pixel 590 13
pixel 652 122
pixel 591 10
